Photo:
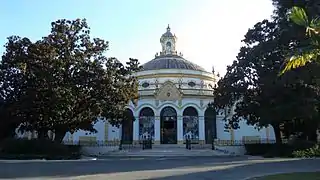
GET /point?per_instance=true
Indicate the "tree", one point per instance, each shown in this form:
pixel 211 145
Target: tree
pixel 255 92
pixel 311 51
pixel 64 80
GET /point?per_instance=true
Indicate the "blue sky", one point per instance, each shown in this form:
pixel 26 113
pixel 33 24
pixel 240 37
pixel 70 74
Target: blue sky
pixel 209 31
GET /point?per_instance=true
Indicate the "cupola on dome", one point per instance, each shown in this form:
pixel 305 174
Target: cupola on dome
pixel 168 58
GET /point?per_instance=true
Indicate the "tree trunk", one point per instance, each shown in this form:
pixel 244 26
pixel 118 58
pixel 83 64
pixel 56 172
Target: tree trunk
pixel 277 133
pixel 7 131
pixel 312 136
pixel 43 134
pixel 59 135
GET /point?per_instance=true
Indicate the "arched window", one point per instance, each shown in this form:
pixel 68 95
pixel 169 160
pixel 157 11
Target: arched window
pixel 168 112
pixel 190 111
pixel 146 123
pixel 146 112
pixel 190 123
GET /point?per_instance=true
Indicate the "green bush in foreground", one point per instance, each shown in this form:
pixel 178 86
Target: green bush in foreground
pixel 307 153
pixel 37 149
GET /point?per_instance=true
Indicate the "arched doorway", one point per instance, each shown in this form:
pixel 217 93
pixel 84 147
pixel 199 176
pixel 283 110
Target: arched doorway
pixel 127 127
pixel 168 125
pixel 190 123
pixel 210 124
pixel 146 123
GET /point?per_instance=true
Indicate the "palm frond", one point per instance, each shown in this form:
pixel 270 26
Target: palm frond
pixel 299 16
pixel 300 60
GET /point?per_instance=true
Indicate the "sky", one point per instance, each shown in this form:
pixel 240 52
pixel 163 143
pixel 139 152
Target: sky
pixel 209 32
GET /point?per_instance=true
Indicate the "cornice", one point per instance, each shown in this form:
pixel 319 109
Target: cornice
pixel 176 75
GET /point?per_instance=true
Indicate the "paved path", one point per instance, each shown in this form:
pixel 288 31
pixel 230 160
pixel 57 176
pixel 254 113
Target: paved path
pixel 170 168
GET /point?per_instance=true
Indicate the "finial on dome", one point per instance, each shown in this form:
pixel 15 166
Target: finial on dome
pixel 168 28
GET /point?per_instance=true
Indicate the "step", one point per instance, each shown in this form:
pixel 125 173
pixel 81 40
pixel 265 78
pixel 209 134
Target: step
pixel 170 153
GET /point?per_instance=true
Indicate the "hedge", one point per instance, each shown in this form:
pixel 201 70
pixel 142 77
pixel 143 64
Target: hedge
pixel 277 150
pixel 37 149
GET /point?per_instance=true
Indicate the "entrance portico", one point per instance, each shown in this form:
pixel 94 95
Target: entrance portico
pixel 169 124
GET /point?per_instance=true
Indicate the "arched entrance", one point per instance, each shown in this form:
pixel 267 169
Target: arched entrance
pixel 190 123
pixel 168 123
pixel 127 127
pixel 146 123
pixel 210 118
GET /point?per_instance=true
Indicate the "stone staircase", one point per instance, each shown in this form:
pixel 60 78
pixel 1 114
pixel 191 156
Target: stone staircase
pixel 167 150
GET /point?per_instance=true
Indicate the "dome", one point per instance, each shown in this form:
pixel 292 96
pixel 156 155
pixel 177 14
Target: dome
pixel 171 62
pixel 168 57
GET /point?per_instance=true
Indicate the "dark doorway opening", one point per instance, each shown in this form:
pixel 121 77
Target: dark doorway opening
pixel 210 125
pixel 127 127
pixel 168 118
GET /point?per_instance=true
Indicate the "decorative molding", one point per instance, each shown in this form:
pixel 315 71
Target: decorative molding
pixel 169 104
pixel 201 103
pixel 154 109
pixel 168 92
pixel 198 109
pixel 176 75
pixel 180 103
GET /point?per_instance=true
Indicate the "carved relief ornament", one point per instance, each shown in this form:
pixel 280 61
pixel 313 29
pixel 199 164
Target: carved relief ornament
pixel 168 92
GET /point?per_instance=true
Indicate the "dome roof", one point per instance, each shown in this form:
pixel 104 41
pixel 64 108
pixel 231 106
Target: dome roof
pixel 171 62
pixel 168 58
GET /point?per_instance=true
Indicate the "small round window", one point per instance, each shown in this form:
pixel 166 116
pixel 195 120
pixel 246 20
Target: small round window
pixel 145 85
pixel 192 84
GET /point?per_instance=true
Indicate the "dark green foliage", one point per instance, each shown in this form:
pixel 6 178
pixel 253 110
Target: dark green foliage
pixel 256 149
pixel 37 149
pixel 252 86
pixel 64 82
pixel 277 150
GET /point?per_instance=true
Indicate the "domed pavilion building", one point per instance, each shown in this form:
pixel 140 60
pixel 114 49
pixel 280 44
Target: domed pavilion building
pixel 174 94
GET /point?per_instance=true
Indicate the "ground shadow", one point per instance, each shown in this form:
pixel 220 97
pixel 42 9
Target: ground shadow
pixel 80 168
pixel 245 171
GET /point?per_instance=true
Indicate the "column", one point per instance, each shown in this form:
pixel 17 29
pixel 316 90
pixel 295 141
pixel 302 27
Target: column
pixel 106 132
pixel 136 129
pixel 201 130
pixel 180 138
pixel 157 130
pixel 267 133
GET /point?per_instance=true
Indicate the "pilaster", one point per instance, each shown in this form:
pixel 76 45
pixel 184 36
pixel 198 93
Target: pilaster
pixel 136 127
pixel 201 129
pixel 180 137
pixel 157 128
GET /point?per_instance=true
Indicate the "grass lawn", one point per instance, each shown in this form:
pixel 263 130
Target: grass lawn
pixel 292 176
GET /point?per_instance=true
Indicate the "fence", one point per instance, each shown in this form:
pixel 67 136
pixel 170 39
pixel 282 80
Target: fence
pixel 216 142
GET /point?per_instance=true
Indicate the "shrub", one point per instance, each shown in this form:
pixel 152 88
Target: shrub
pixel 257 149
pixel 268 150
pixel 36 148
pixel 307 153
pixel 277 150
